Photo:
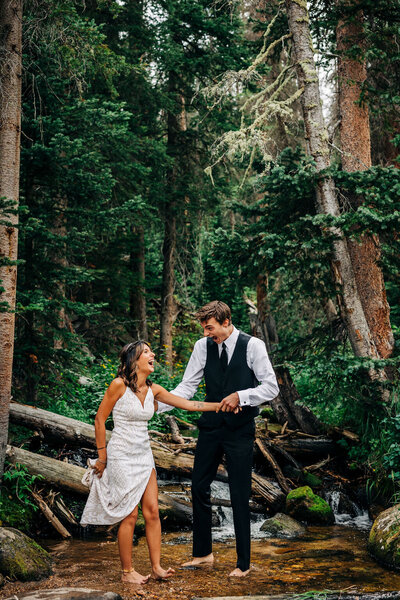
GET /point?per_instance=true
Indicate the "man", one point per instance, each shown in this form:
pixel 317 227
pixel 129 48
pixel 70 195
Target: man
pixel 238 372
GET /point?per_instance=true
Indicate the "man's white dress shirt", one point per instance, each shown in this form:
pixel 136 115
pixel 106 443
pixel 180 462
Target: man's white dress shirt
pixel 257 360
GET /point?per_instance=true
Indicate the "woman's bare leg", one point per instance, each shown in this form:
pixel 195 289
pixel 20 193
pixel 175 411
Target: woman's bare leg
pixel 125 539
pixel 153 527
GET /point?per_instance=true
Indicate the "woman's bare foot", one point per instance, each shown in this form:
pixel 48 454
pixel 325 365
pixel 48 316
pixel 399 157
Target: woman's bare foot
pixel 160 573
pixel 239 573
pixel 200 560
pixel 134 577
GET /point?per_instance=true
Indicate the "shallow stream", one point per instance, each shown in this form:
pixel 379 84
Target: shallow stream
pixel 326 558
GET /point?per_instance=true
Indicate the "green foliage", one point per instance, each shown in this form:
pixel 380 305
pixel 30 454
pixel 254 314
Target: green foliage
pixel 100 164
pixel 16 507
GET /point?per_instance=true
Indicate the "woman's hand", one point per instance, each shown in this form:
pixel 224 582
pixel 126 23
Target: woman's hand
pixel 98 468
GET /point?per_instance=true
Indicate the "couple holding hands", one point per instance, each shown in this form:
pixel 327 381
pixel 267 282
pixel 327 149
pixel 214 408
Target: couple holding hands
pixel 238 377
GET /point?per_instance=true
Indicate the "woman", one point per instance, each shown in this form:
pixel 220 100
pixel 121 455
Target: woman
pixel 124 471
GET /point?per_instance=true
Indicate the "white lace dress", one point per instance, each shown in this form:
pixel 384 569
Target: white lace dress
pixel 129 463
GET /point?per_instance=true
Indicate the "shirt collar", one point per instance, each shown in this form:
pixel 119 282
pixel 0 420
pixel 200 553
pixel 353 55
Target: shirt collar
pixel 230 342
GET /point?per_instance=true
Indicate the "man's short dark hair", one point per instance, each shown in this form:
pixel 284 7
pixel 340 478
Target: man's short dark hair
pixel 215 309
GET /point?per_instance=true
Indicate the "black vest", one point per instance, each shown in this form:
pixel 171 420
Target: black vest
pixel 238 376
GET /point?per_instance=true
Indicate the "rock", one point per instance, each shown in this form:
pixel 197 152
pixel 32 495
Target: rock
pixel 282 526
pixel 67 594
pixel 384 537
pixel 22 558
pixel 347 506
pixel 304 505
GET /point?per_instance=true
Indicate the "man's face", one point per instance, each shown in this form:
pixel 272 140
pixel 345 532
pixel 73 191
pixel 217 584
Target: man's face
pixel 215 330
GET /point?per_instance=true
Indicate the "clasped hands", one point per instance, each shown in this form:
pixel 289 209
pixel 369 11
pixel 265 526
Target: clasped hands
pixel 230 404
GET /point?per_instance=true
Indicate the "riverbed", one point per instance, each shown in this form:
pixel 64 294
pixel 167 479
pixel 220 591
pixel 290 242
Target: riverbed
pixel 326 558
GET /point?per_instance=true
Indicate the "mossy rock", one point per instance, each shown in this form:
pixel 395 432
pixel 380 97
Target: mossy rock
pixel 384 537
pixel 21 558
pixel 282 526
pixel 304 505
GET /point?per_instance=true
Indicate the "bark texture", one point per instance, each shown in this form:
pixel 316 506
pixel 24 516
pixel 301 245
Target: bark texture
pixel 138 292
pixel 10 135
pixel 317 137
pixel 356 156
pixel 176 127
pixel 59 258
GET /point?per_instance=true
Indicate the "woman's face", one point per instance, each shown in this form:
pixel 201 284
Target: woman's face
pixel 145 362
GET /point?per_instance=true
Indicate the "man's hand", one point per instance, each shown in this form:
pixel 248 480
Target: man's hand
pixel 231 403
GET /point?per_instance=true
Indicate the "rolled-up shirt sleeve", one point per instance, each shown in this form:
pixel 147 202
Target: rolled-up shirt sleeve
pixel 258 360
pixel 192 376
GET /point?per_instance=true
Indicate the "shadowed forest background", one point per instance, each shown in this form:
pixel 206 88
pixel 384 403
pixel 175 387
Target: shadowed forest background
pixel 172 154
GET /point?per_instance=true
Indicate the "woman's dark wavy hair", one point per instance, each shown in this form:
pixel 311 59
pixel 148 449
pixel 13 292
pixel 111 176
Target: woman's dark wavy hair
pixel 128 357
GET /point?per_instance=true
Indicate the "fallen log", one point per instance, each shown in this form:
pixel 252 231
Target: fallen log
pixel 63 475
pixel 50 516
pixel 76 433
pixel 276 468
pixel 55 472
pixel 175 433
pixel 55 426
pixel 254 507
pixel 57 504
pixel 272 496
pixel 306 446
pixel 281 451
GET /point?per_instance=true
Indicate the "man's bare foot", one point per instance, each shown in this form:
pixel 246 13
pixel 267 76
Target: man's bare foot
pixel 200 560
pixel 239 573
pixel 160 573
pixel 134 577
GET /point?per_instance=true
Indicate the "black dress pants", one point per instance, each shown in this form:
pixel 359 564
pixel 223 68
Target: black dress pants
pixel 237 446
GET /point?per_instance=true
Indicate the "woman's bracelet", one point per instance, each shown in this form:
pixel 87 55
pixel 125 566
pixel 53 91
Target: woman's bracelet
pixel 103 462
pixel 102 448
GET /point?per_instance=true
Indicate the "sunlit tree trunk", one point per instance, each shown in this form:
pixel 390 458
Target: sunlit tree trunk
pixel 356 156
pixel 10 136
pixel 317 139
pixel 176 126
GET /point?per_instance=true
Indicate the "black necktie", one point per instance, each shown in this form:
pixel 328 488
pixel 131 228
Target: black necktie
pixel 224 357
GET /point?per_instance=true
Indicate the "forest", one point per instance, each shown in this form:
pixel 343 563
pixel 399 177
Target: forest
pixel 159 154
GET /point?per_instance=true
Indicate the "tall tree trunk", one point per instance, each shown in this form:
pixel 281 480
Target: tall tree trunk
pixel 317 137
pixel 59 230
pixel 176 126
pixel 356 156
pixel 287 405
pixel 10 139
pixel 270 334
pixel 138 291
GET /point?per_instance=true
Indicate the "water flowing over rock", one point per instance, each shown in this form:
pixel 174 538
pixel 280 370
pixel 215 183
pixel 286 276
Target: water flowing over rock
pixel 304 505
pixel 68 594
pixel 22 558
pixel 384 537
pixel 282 526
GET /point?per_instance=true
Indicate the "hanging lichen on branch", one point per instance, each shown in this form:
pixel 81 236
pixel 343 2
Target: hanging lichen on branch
pixel 258 110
